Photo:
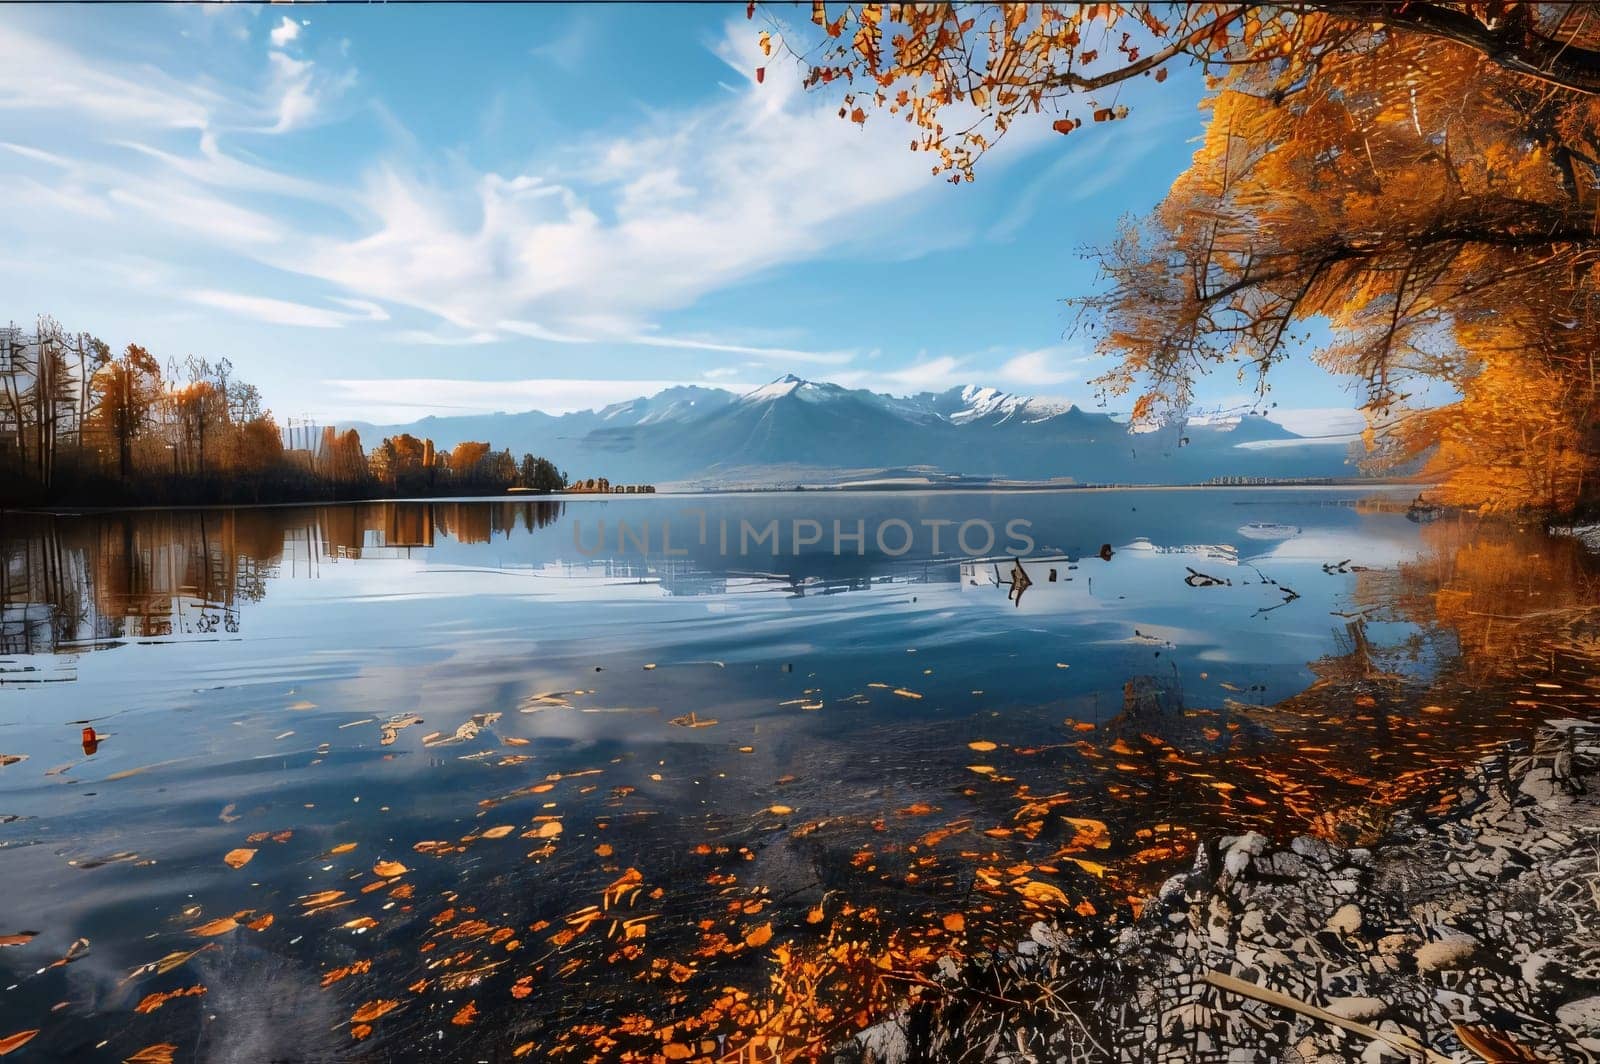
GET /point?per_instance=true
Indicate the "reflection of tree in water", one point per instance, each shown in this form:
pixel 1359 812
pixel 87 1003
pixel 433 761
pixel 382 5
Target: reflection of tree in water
pixel 1510 600
pixel 69 584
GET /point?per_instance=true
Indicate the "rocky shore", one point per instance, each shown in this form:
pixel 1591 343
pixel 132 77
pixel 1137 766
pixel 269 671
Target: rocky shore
pixel 1468 933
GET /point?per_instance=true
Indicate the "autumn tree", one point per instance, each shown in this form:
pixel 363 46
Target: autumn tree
pixel 1421 177
pixel 124 393
pixel 465 457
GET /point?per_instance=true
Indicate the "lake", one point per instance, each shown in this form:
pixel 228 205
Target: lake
pixel 682 775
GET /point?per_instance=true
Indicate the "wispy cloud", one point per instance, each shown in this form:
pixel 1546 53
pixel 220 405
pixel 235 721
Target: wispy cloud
pixel 392 400
pixel 285 312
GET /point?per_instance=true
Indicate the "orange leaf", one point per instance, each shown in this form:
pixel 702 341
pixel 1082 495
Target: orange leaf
pixel 373 1009
pixel 759 937
pixel 220 926
pixel 237 858
pixel 465 1015
pixel 389 869
pixel 160 1053
pixel 16 1041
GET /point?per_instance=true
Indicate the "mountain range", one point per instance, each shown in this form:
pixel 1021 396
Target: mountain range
pixel 800 431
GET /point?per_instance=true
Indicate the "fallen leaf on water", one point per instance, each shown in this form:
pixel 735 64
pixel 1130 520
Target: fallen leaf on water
pixel 220 926
pixel 237 858
pixel 20 938
pixel 955 922
pixel 1036 891
pixel 260 924
pixel 550 829
pixel 389 869
pixel 982 770
pixel 983 746
pixel 154 1001
pixel 602 850
pixel 16 1041
pixel 779 810
pixel 160 1053
pixel 373 1009
pixel 759 937
pixel 465 1015
pixel 343 847
pixel 12 759
pixel 360 967
pixel 500 831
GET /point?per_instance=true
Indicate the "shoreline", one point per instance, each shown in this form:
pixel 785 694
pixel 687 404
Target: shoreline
pixel 68 510
pixel 1464 934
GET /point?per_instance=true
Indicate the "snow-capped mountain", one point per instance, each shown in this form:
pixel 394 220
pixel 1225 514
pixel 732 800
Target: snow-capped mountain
pixel 710 435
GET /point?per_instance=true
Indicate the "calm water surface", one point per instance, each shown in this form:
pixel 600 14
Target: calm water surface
pixel 510 787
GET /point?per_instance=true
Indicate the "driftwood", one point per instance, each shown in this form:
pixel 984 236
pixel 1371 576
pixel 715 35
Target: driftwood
pixel 1404 1043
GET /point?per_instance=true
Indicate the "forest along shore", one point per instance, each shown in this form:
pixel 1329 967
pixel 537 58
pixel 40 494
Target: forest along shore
pixel 1464 935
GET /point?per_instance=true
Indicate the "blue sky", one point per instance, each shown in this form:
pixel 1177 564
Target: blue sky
pixel 383 212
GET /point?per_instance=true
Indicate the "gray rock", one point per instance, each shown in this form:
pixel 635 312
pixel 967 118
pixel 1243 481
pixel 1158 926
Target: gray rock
pixel 1581 1016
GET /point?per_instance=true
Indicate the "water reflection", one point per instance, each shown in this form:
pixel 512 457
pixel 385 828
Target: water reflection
pixel 442 728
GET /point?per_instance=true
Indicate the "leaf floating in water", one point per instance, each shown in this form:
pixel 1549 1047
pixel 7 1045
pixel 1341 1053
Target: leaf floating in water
pixel 238 858
pixel 79 947
pixel 779 810
pixel 393 726
pixel 550 829
pixel 13 1042
pixel 302 704
pixel 166 964
pixel 343 847
pixel 982 746
pixel 151 1002
pixel 499 831
pixel 160 1053
pixel 360 967
pixel 389 869
pixel 372 1010
pixel 689 720
pixel 759 937
pixel 12 759
pixel 903 693
pixel 982 770
pixel 20 938
pixel 220 926
pixel 260 923
pixel 955 923
pixel 465 1015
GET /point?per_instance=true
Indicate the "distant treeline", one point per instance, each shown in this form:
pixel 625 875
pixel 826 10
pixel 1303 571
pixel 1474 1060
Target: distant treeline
pixel 80 425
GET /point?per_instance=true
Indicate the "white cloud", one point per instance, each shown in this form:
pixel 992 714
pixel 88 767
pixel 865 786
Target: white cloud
pixel 284 32
pixel 285 312
pixel 644 223
pixel 390 400
pixel 1033 369
pixel 39 75
pixel 925 375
